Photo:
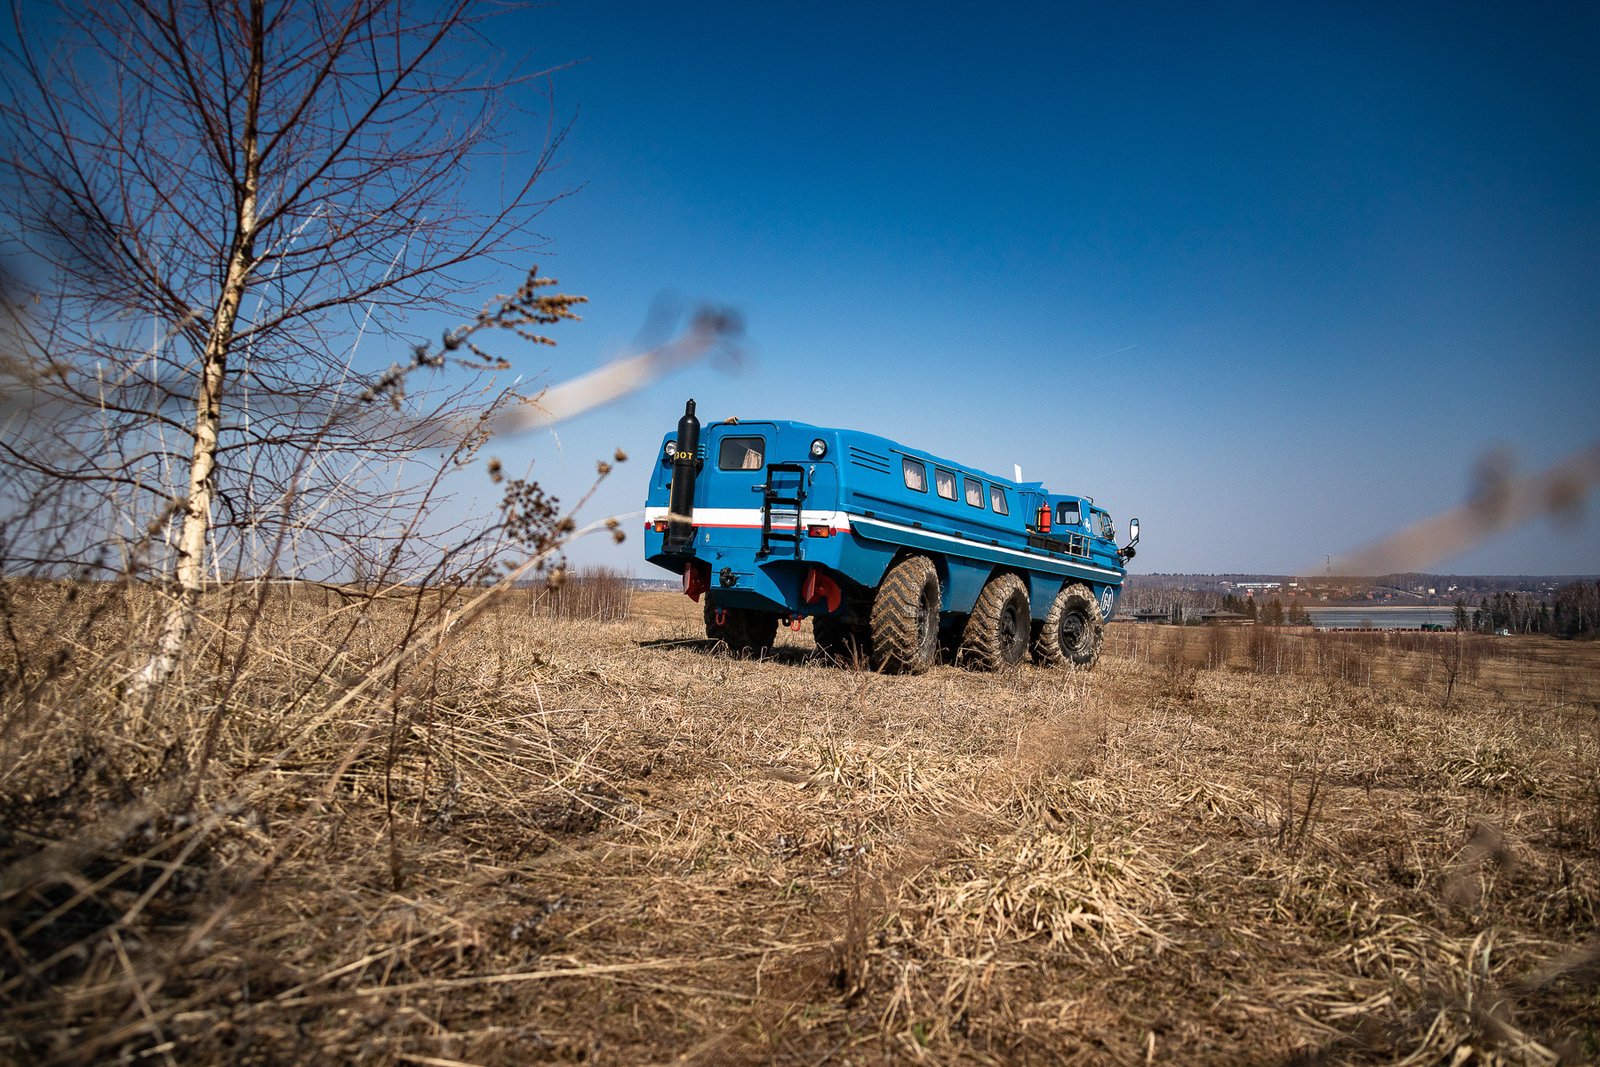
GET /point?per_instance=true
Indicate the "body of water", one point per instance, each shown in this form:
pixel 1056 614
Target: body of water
pixel 1387 618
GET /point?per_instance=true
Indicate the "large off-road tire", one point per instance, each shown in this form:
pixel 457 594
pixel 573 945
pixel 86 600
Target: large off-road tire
pixel 838 640
pixel 1072 629
pixel 905 617
pixel 997 631
pixel 745 631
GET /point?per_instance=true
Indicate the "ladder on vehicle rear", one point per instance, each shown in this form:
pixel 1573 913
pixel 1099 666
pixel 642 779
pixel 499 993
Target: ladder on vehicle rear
pixel 778 509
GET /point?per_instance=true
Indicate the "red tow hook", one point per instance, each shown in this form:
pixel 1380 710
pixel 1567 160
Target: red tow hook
pixel 721 616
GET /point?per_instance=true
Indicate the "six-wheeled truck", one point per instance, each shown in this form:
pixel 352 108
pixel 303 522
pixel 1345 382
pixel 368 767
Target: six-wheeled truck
pixel 890 551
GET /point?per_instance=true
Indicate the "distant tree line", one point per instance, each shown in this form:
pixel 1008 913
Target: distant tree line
pixel 1186 606
pixel 1271 613
pixel 1574 613
pixel 1470 586
pixel 1141 596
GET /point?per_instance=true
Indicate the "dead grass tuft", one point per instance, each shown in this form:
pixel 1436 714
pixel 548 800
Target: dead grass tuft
pixel 1051 885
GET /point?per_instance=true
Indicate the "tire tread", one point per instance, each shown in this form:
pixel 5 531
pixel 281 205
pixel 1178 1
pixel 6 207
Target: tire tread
pixel 897 646
pixel 1047 649
pixel 980 638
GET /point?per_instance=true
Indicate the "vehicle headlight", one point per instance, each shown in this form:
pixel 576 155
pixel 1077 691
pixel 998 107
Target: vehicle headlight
pixel 819 448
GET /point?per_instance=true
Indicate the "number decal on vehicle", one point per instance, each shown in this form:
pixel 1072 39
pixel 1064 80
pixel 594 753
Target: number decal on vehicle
pixel 1107 596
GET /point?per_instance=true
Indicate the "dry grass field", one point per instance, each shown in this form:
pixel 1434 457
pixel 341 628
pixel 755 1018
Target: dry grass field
pixel 560 841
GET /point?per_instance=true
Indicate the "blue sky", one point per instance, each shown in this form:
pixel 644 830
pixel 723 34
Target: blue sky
pixel 1270 277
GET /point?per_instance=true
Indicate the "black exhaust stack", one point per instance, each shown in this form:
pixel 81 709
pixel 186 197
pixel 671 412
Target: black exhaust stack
pixel 685 467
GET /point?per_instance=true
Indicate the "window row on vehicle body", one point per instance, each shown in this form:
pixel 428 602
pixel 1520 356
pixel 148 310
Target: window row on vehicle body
pixel 944 483
pixel 748 453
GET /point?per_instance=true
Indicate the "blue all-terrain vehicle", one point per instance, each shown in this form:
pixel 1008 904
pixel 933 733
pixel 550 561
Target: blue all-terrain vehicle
pixel 888 550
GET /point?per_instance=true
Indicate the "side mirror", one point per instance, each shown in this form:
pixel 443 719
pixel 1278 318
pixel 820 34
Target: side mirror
pixel 1126 552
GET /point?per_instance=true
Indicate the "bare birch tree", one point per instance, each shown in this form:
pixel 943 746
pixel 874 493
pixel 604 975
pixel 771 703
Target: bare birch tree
pixel 227 196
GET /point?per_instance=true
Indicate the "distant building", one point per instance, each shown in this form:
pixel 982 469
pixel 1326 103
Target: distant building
pixel 1225 618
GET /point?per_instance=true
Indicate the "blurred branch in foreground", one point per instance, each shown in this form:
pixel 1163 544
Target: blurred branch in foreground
pixel 1499 502
pixel 709 330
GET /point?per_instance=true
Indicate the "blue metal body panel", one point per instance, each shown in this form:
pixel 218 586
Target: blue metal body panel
pixel 858 514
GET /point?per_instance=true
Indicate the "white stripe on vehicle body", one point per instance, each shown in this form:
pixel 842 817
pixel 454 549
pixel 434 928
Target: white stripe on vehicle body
pixel 970 543
pixel 750 518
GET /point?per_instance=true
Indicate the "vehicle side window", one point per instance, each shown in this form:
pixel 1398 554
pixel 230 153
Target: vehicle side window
pixel 945 483
pixel 974 491
pixel 916 475
pixel 1067 514
pixel 1103 526
pixel 741 454
pixel 997 500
